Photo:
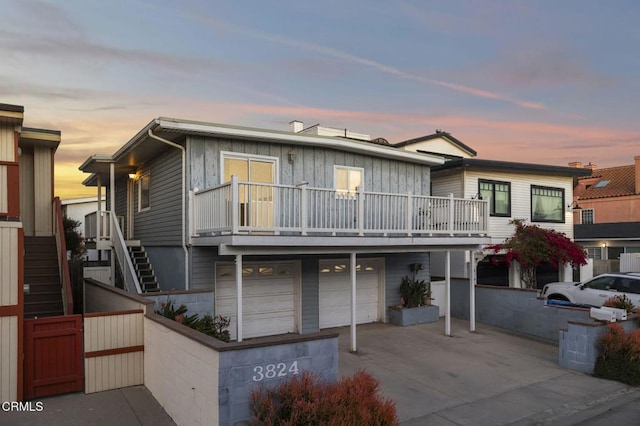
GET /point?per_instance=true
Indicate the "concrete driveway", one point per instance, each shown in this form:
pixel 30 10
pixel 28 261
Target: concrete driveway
pixel 484 378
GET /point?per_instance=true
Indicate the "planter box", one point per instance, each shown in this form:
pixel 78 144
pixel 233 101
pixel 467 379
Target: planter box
pixel 412 316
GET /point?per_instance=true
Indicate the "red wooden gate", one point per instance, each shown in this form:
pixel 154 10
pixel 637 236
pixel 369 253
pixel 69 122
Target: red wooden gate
pixel 53 355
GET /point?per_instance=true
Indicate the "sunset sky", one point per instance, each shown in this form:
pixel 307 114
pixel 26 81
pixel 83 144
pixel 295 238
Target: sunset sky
pixel 541 82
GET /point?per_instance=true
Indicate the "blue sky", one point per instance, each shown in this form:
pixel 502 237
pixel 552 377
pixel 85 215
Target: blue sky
pixel 545 81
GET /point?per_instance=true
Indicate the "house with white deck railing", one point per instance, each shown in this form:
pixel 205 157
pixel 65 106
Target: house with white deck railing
pixel 295 231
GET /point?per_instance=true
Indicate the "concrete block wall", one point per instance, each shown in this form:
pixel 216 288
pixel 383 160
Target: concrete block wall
pixel 242 370
pixel 199 302
pixel 578 349
pixel 517 310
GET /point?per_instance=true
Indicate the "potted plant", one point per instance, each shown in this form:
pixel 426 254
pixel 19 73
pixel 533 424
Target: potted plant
pixel 415 303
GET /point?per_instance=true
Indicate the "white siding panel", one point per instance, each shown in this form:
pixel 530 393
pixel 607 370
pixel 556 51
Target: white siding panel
pixel 8 358
pixel 8 266
pixel 4 190
pixel 7 144
pixel 443 186
pixel 113 331
pixel 42 191
pixel 500 228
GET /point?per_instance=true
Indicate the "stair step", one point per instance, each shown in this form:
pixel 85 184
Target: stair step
pixel 43 296
pixel 44 287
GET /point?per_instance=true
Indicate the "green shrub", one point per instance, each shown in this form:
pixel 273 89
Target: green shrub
pixel 212 326
pixel 620 302
pixel 414 292
pixel 619 357
pixel 306 400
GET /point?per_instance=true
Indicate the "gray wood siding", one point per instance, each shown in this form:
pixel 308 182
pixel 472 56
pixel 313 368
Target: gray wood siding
pixel 162 223
pixel 312 165
pixel 310 277
pixel 396 266
pixel 121 201
pixel 203 273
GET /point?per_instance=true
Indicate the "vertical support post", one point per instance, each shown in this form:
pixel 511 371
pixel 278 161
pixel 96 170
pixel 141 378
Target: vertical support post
pixel 239 297
pixel 451 214
pixel 353 302
pixel 447 290
pixel 235 204
pixel 304 211
pixel 99 212
pixel 360 210
pixel 409 214
pixel 472 291
pixel 112 187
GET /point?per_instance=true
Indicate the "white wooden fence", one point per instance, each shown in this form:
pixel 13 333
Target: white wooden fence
pixel 114 350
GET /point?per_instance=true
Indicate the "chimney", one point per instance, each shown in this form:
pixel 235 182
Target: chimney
pixel 637 170
pixel 296 126
pixel 590 166
pixel 576 164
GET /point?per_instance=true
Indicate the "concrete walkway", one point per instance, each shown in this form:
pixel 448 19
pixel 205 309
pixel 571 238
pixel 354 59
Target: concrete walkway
pixel 133 406
pixel 484 378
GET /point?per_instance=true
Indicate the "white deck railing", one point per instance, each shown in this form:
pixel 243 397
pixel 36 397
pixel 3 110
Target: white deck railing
pixel 237 206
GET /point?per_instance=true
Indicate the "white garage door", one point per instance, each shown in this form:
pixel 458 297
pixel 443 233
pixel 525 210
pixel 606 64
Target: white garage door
pixel 269 293
pixel 335 292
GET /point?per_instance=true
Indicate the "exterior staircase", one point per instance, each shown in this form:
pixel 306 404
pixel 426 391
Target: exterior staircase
pixel 144 270
pixel 42 276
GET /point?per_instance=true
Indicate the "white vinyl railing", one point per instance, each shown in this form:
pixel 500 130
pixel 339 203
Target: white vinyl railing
pixel 246 207
pixel 129 276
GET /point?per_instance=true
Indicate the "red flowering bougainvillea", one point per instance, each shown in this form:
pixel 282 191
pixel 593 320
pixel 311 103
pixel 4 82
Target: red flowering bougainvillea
pixel 531 245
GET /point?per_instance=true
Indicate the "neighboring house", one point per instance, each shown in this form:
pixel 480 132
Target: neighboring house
pixel 608 211
pixel 286 227
pixel 31 271
pixel 77 209
pixel 540 194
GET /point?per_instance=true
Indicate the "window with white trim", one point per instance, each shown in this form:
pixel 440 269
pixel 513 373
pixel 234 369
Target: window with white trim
pixel 144 193
pixel 547 204
pixel 586 216
pixel 347 179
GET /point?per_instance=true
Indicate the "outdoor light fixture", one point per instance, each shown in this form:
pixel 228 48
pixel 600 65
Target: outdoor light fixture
pixel 574 206
pixel 133 176
pixel 415 267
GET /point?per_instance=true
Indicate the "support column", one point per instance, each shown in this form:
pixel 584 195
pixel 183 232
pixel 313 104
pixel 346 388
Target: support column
pixel 239 297
pixel 472 291
pixel 447 291
pixel 353 302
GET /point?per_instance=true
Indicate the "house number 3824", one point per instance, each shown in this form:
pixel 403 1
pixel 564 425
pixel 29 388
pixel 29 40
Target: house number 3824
pixel 271 371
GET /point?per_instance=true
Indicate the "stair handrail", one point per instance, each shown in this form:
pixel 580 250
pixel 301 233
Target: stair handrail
pixel 63 264
pixel 122 255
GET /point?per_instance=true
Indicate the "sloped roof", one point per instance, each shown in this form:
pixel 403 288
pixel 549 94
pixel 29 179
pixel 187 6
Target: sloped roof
pixel 438 134
pixel 621 182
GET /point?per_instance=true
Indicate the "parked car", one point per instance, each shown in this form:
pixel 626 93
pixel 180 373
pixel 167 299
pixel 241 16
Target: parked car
pixel 595 291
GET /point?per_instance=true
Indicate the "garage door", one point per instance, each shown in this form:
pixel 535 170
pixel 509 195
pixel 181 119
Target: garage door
pixel 335 292
pixel 269 293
